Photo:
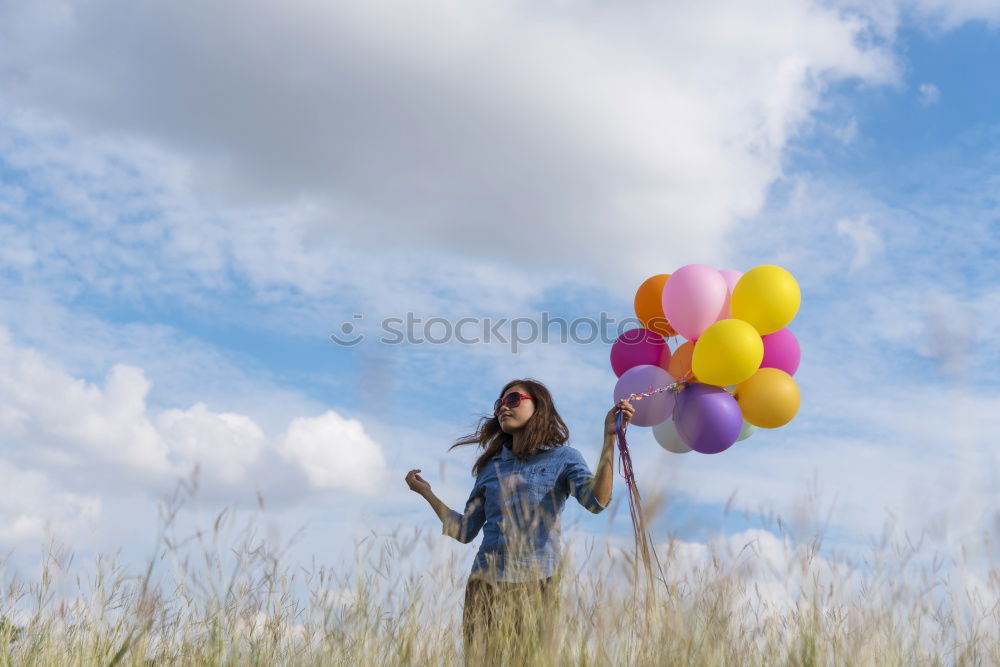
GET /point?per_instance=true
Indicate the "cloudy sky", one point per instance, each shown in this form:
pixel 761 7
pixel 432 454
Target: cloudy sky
pixel 195 196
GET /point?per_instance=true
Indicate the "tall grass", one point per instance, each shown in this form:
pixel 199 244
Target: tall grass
pixel 201 600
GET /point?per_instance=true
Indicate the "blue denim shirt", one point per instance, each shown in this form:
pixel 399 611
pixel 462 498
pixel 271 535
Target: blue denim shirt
pixel 518 505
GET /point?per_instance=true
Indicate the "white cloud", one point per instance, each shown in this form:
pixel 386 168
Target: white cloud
pixel 119 220
pixel 951 328
pixel 107 438
pixel 848 133
pixel 949 14
pixel 769 571
pixel 472 129
pixel 929 94
pixel 867 242
pixel 33 507
pixel 225 444
pixel 335 453
pixel 74 418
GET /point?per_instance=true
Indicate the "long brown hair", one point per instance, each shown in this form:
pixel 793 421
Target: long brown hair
pixel 544 427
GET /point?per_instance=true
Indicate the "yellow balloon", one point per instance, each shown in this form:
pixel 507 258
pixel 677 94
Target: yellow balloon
pixel 767 297
pixel 769 399
pixel 727 352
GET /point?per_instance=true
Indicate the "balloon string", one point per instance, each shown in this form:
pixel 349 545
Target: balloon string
pixel 634 501
pixel 674 388
pixel 642 537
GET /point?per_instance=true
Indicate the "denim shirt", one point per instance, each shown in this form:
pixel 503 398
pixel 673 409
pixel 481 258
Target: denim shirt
pixel 518 505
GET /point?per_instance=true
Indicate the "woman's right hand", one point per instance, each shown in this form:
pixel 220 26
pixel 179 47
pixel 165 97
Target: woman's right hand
pixel 417 483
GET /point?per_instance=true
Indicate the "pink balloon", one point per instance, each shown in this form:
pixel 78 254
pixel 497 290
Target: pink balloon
pixel 731 276
pixel 636 347
pixel 649 410
pixel 693 299
pixel 781 350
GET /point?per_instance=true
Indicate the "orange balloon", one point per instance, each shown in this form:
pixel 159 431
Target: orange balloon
pixel 769 399
pixel 680 363
pixel 649 305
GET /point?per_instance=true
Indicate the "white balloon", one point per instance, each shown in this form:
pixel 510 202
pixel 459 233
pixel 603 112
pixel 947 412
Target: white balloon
pixel 667 437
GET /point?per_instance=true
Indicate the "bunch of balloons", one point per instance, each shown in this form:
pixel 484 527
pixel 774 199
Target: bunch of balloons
pixel 734 371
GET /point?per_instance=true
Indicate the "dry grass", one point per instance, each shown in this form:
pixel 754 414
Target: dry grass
pixel 204 602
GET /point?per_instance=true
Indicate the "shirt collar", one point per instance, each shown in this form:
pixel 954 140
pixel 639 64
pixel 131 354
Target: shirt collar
pixel 506 454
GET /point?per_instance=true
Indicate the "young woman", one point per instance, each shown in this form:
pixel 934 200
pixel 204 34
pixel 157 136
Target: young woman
pixel 523 478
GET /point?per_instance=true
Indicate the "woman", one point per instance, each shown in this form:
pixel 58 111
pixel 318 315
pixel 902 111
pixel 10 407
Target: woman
pixel 523 478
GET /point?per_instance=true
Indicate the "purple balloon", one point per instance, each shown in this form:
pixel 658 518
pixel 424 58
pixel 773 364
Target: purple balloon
pixel 781 350
pixel 649 410
pixel 636 347
pixel 708 418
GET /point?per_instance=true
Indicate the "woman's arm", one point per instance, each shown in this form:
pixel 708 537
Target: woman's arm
pixel 606 465
pixel 605 471
pixel 462 527
pixel 422 487
pixel 442 510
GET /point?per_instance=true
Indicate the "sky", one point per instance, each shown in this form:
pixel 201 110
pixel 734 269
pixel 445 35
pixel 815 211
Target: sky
pixel 195 198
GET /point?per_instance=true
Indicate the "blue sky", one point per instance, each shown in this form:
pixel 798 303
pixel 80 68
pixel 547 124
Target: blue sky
pixel 186 215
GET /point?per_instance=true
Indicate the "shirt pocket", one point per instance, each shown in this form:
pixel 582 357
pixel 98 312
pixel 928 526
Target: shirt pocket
pixel 542 481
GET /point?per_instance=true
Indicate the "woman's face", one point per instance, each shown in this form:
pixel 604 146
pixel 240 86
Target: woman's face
pixel 514 419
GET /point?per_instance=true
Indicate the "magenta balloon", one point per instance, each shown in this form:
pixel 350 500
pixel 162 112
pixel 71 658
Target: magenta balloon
pixel 708 418
pixel 693 299
pixel 781 350
pixel 649 410
pixel 731 276
pixel 636 347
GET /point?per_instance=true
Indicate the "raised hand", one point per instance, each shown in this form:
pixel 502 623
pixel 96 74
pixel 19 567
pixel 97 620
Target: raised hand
pixel 627 412
pixel 417 483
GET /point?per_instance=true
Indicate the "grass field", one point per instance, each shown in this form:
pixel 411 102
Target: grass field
pixel 757 599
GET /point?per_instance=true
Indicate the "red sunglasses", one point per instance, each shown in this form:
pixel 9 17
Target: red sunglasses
pixel 511 400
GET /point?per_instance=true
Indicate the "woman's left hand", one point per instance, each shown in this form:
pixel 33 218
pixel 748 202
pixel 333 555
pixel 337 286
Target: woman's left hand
pixel 610 421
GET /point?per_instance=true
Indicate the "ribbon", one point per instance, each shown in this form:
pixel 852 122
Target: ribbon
pixel 642 537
